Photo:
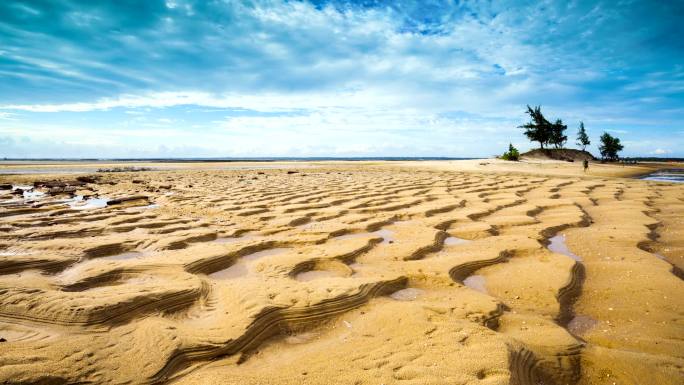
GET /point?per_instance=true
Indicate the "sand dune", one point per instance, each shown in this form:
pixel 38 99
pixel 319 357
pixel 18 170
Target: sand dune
pixel 347 273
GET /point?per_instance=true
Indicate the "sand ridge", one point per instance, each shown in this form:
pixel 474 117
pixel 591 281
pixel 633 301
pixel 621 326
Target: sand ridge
pixel 345 273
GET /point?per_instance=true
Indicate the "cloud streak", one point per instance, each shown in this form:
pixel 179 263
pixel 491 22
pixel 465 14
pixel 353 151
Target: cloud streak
pixel 337 66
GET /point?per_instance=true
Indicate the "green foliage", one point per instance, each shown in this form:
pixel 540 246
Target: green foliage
pixel 556 136
pixel 610 146
pixel 538 129
pixel 582 137
pixel 512 154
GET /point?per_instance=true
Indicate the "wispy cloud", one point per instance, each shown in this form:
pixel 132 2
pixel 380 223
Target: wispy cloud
pixel 408 72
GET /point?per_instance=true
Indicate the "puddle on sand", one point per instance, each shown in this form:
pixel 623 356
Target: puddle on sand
pixel 452 241
pixel 317 274
pixel 241 267
pixel 18 333
pixel 28 192
pixel 32 194
pixel 141 208
pixel 386 235
pixel 408 294
pixel 356 269
pixel 245 237
pixel 476 282
pixel 558 245
pixel 309 225
pixel 78 203
pixel 581 324
pixel 301 338
pixel 122 256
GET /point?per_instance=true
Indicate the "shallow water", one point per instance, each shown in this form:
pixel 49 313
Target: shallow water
pixel 673 176
pixel 241 267
pixel 301 338
pixel 45 170
pixel 386 235
pixel 452 241
pixel 15 332
pixel 147 207
pixel 32 194
pixel 408 294
pixel 581 324
pixel 558 245
pixel 317 274
pixel 79 203
pixel 123 256
pixel 476 282
pixel 245 237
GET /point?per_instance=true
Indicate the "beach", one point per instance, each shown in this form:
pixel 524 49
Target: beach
pixel 461 272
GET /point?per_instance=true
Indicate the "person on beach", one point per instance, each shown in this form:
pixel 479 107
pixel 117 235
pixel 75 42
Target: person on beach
pixel 586 165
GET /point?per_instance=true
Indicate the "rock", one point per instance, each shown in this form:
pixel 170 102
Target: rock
pixel 18 191
pixel 118 201
pixel 5 186
pixel 293 172
pixel 2 339
pixel 57 183
pixel 62 190
pixel 87 179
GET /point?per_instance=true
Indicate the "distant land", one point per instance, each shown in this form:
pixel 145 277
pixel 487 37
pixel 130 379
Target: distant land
pixel 256 159
pixel 292 159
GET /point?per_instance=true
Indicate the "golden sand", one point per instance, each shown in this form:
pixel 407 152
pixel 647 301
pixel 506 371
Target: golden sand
pixel 472 272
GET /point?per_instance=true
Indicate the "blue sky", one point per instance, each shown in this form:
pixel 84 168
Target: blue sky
pixel 334 78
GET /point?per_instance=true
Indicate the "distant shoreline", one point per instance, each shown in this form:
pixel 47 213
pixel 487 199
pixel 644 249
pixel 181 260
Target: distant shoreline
pixel 257 159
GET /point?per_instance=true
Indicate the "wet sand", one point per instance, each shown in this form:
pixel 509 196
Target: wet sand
pixel 458 272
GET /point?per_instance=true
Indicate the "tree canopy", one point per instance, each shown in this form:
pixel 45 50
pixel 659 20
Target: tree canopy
pixel 557 138
pixel 610 146
pixel 582 137
pixel 539 129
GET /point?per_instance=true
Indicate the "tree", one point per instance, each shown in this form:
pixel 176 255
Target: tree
pixel 539 129
pixel 556 136
pixel 512 154
pixel 610 146
pixel 582 137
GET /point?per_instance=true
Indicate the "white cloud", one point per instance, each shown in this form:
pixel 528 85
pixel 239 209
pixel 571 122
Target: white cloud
pixel 334 78
pixel 660 151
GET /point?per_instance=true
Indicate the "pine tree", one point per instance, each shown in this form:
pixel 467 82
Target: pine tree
pixel 557 138
pixel 539 129
pixel 582 137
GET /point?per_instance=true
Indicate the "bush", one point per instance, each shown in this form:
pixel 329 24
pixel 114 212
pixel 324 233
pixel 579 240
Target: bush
pixel 512 154
pixel 610 146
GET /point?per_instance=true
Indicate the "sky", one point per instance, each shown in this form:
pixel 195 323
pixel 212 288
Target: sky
pixel 177 78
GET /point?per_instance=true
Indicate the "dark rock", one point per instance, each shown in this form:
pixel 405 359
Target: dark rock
pixel 87 179
pixel 6 186
pixel 2 339
pixel 117 201
pixel 293 172
pixel 18 191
